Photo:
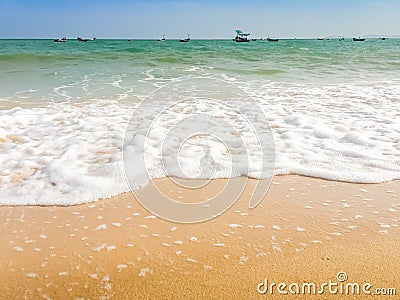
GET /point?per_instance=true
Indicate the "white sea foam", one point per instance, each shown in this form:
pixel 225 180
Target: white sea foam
pixel 67 154
pixel 62 154
pixel 337 132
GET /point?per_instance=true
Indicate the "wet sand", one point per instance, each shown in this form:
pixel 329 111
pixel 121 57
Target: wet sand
pixel 305 230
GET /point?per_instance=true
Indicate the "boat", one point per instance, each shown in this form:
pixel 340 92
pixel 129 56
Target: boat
pixel 62 40
pixel 254 40
pixel 341 39
pixel 93 39
pixel 162 39
pixel 272 40
pixel 241 37
pixel 185 40
pixel 81 39
pixel 358 39
pixel 320 39
pixel 383 38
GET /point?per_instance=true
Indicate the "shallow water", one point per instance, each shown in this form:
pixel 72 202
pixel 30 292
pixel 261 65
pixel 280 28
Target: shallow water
pixel 40 70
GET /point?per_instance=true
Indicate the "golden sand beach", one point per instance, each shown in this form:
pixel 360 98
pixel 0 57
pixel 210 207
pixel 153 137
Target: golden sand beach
pixel 306 230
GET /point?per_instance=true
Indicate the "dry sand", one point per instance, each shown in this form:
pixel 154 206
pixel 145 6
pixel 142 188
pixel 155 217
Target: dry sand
pixel 305 230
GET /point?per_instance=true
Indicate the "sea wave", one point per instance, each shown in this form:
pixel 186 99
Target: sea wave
pixel 67 153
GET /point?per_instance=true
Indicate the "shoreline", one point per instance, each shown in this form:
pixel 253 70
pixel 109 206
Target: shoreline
pixel 306 229
pixel 124 193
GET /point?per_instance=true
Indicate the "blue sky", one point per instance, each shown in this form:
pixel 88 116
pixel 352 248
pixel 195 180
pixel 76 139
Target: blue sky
pixel 202 19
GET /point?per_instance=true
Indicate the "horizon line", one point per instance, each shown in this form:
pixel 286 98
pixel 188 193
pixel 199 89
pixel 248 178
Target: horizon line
pixel 367 36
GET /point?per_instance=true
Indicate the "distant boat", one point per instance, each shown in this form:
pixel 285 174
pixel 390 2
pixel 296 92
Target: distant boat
pixel 185 40
pixel 358 39
pixel 383 38
pixel 320 39
pixel 62 40
pixel 81 39
pixel 93 39
pixel 272 40
pixel 241 37
pixel 162 39
pixel 341 39
pixel 254 40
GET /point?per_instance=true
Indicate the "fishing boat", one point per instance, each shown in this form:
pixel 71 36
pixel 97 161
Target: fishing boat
pixel 62 40
pixel 79 39
pixel 272 40
pixel 358 39
pixel 162 39
pixel 383 38
pixel 185 40
pixel 241 37
pixel 320 39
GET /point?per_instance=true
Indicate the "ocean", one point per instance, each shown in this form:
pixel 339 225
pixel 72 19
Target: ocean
pixel 333 108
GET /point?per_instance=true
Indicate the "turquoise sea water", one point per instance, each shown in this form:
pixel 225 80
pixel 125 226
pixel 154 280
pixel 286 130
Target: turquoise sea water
pixel 41 71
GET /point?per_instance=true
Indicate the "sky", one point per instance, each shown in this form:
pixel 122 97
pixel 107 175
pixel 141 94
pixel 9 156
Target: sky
pixel 202 19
